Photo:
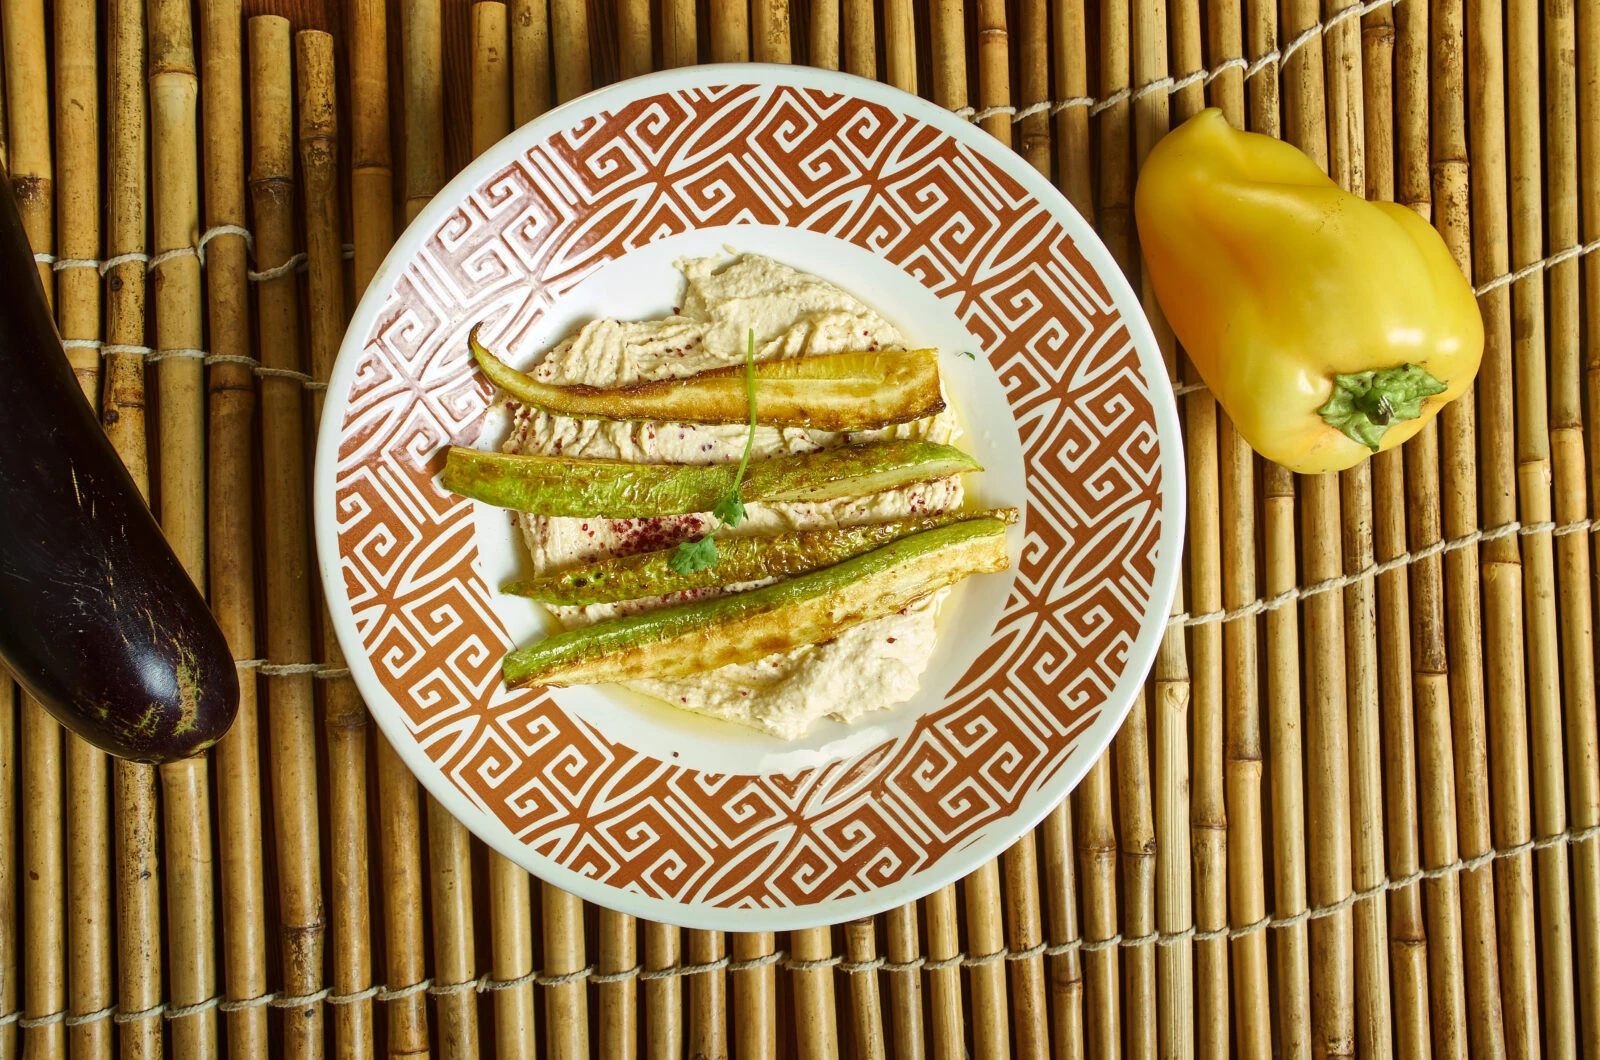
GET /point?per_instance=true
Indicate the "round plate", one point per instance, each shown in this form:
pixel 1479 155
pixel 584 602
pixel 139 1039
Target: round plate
pixel 954 239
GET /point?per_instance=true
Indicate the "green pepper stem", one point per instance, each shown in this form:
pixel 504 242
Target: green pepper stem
pixel 1364 405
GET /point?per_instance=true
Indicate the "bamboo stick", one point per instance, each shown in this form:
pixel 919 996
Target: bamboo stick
pixel 946 1032
pixel 1139 853
pixel 755 1002
pixel 531 85
pixel 985 936
pixel 77 193
pixel 816 1028
pixel 900 44
pixel 1502 574
pixel 708 1005
pixel 345 716
pixel 1453 904
pixel 400 825
pixel 619 1001
pixel 1071 62
pixel 510 913
pixel 663 998
pixel 43 881
pixel 1024 931
pixel 138 892
pixel 566 1005
pixel 1034 85
pixel 730 31
pixel 866 1005
pixel 770 29
pixel 22 28
pixel 1346 79
pixel 1416 676
pixel 1333 1016
pixel 1393 772
pixel 422 61
pixel 175 217
pixel 947 22
pixel 88 794
pixel 1571 494
pixel 371 176
pixel 823 43
pixel 10 970
pixel 123 417
pixel 454 960
pixel 1459 516
pixel 230 433
pixel 860 38
pixel 678 34
pixel 24 37
pixel 1287 792
pixel 491 75
pixel 1242 754
pixel 905 987
pixel 399 815
pixel 1097 857
pixel 191 973
pixel 1532 451
pixel 1065 969
pixel 291 722
pixel 633 37
pixel 569 32
pixel 994 65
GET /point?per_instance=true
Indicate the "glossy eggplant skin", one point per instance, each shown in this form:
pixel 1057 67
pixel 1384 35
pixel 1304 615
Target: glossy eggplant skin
pixel 98 619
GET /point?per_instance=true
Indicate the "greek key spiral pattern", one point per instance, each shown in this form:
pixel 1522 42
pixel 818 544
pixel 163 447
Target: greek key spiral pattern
pixel 963 228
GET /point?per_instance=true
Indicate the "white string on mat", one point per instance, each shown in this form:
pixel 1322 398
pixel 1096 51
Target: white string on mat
pixel 198 251
pixel 1404 559
pixel 1177 84
pixel 486 984
pixel 316 670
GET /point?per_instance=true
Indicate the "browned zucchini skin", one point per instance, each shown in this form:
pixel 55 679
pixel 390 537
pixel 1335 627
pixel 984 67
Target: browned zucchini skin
pixel 98 620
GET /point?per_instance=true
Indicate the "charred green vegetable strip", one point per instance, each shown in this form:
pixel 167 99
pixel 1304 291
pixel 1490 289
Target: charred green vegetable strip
pixel 740 559
pixel 743 627
pixel 837 392
pixel 615 489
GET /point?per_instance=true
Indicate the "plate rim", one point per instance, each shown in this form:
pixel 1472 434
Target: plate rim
pixel 388 715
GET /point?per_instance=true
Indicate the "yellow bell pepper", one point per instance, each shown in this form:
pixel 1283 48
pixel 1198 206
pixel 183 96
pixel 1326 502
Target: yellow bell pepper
pixel 1328 327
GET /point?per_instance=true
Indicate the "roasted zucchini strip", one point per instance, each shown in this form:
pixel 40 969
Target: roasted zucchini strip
pixel 744 627
pixel 837 392
pixel 739 559
pixel 616 489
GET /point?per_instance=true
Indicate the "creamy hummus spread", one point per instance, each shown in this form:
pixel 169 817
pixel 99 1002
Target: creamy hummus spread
pixel 869 666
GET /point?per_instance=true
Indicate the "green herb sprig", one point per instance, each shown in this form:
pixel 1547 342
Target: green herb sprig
pixel 692 556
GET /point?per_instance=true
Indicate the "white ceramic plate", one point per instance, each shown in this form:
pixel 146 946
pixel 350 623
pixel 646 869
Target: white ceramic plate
pixel 961 245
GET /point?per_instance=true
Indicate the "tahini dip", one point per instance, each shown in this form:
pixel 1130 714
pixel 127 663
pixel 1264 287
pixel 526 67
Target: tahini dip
pixel 869 666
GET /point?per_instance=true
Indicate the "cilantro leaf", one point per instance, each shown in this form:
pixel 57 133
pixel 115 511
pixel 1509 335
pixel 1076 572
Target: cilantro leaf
pixel 969 355
pixel 729 510
pixel 693 556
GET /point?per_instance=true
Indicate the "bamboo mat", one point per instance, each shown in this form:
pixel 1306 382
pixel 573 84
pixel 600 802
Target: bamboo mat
pixel 1356 811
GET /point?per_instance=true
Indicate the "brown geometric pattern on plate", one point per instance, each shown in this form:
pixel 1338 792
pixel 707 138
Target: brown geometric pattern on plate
pixel 966 231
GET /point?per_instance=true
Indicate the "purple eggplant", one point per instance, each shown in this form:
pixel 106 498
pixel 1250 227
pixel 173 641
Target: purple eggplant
pixel 98 619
